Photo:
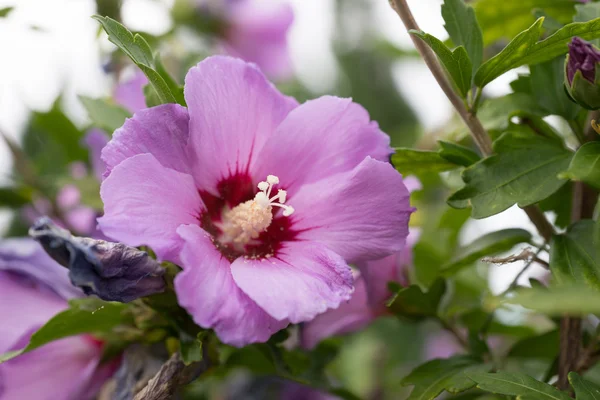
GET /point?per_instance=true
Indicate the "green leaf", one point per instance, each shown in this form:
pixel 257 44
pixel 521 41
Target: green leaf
pixel 502 19
pixel 541 346
pixel 87 315
pixel 463 28
pixel 587 12
pixel 139 51
pixel 515 384
pixel 191 347
pixel 457 154
pixel 560 203
pixel 526 49
pixel 412 303
pixel 14 197
pixel 410 161
pixel 492 243
pixel 576 300
pixel 585 165
pixel 549 91
pixel 5 11
pixel 524 171
pixel 573 256
pixel 584 389
pixel 496 113
pixel 456 62
pixel 550 24
pixel 451 375
pixel 52 140
pixel 105 114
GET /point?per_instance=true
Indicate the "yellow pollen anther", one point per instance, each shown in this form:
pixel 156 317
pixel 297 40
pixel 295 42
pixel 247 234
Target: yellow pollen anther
pixel 246 221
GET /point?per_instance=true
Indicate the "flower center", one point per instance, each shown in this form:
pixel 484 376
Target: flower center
pixel 243 224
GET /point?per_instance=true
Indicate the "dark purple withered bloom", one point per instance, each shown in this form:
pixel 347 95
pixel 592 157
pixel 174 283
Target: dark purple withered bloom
pixel 34 288
pixel 111 271
pixel 582 57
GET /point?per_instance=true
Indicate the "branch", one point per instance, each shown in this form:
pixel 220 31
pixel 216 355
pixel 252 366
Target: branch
pixel 480 136
pixel 172 374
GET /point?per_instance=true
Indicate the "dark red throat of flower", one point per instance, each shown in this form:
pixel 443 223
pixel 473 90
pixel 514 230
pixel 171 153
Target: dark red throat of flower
pixel 233 191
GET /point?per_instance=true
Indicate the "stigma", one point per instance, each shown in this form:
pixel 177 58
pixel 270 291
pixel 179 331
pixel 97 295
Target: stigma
pixel 243 224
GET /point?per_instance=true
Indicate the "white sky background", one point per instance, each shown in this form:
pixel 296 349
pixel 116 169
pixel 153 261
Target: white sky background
pixel 63 55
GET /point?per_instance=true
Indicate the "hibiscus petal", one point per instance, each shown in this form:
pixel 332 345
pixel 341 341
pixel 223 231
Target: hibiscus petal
pixel 130 93
pixel 233 110
pixel 95 140
pixel 26 257
pixel 60 370
pixel 206 289
pixel 144 203
pixel 303 280
pixel 362 214
pixel 258 33
pixel 378 273
pixel 320 138
pixel 350 316
pixel 35 304
pixel 161 131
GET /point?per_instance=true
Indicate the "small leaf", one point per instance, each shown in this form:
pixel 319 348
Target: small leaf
pixel 560 203
pixel 585 165
pixel 496 113
pixel 516 384
pixel 584 389
pixel 191 347
pixel 525 48
pixel 456 62
pixel 139 51
pixel 86 315
pixel 492 243
pixel 463 28
pixel 457 154
pixel 435 376
pixel 411 302
pixel 5 11
pixel 541 346
pixel 14 197
pixel 549 91
pixel 524 171
pixel 410 161
pixel 503 19
pixel 573 256
pixel 576 300
pixel 105 114
pixel 587 12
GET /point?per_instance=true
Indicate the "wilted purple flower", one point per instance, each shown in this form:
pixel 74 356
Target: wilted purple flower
pixel 371 293
pixel 261 201
pixel 582 57
pixel 111 271
pixel 33 288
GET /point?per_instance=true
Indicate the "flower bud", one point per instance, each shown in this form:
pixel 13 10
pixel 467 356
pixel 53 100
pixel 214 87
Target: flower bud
pixel 580 74
pixel 111 271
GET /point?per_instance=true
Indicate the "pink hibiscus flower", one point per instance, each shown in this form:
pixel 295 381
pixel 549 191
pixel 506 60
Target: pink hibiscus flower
pixel 262 201
pixel 34 288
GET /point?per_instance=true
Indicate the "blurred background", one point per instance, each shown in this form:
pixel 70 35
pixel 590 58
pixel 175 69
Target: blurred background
pixel 53 53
